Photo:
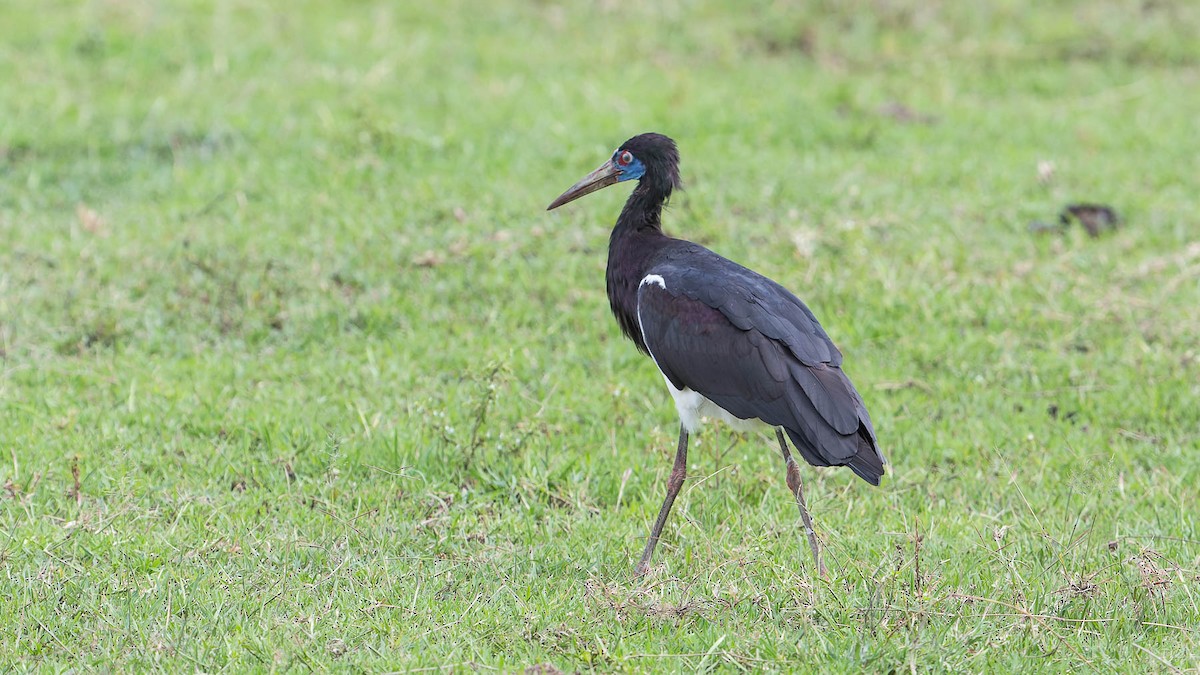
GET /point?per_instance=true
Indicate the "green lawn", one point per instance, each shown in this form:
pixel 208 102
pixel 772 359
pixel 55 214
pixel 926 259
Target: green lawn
pixel 297 373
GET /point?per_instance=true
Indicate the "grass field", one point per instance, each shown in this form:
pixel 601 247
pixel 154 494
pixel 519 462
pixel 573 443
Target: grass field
pixel 298 374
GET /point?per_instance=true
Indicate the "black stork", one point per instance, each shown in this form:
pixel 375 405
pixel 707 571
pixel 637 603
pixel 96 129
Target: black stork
pixel 731 343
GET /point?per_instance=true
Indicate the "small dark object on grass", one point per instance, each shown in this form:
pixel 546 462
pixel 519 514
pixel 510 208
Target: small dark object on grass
pixel 731 344
pixel 1095 218
pixel 1069 416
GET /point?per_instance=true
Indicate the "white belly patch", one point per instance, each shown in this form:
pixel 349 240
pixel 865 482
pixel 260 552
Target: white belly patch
pixel 693 407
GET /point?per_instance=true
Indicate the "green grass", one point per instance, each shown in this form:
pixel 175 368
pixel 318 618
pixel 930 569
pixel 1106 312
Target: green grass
pixel 298 374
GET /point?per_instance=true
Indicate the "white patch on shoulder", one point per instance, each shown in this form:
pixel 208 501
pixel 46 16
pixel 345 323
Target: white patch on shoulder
pixel 654 279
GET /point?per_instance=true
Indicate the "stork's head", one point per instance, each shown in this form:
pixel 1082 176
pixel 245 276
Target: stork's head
pixel 651 158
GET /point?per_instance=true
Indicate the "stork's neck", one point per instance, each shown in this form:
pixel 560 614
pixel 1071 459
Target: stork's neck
pixel 636 240
pixel 642 210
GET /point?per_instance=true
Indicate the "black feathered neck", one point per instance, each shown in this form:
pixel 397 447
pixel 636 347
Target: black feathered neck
pixel 637 238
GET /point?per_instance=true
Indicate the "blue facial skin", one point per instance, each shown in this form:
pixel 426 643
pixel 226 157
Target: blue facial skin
pixel 634 169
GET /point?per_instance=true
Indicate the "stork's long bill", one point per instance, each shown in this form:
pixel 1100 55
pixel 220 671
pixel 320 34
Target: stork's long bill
pixel 604 175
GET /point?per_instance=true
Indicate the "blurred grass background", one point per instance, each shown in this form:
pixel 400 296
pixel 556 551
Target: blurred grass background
pixel 297 373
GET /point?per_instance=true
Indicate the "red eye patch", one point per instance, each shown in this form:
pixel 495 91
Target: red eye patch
pixel 624 158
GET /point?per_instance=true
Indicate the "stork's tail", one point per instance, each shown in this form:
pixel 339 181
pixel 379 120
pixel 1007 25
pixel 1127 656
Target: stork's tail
pixel 868 462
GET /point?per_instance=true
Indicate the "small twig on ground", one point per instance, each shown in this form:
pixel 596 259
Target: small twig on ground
pixel 481 412
pixel 917 538
pixel 75 492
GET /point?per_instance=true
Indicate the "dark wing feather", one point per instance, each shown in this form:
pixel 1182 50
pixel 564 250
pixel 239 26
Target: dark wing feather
pixel 831 394
pixel 753 348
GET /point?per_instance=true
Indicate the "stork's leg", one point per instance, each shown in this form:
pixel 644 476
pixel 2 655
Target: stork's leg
pixel 673 484
pixel 797 488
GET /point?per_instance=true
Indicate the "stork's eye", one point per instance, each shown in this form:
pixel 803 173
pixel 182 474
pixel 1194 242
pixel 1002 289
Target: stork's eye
pixel 625 158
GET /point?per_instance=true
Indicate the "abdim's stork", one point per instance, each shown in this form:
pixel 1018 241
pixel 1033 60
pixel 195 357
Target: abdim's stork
pixel 731 343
